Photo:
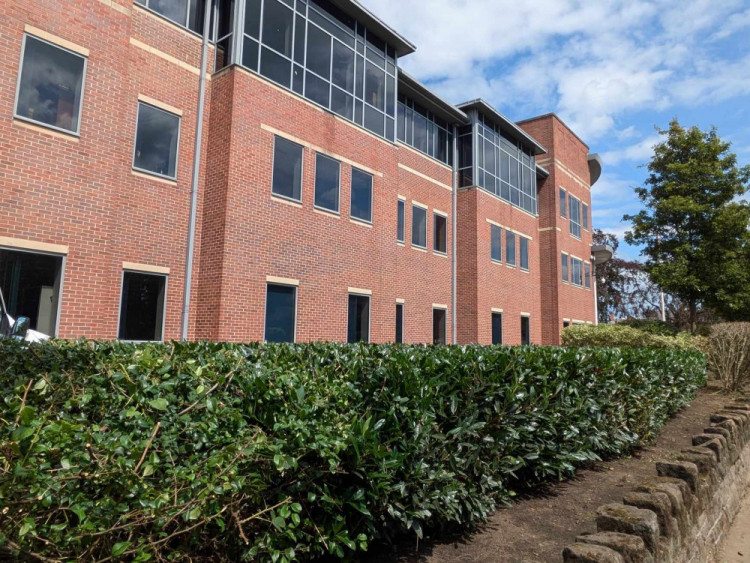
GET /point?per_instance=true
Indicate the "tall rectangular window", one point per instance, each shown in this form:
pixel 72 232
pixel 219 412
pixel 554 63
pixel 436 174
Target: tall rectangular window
pixel 281 313
pixel 50 89
pixel 565 273
pixel 157 139
pixel 575 217
pixel 186 13
pixel 418 226
pixel 497 328
pixel 524 248
pixel 587 275
pixel 585 216
pixel 576 273
pixel 563 203
pixel 496 243
pixel 525 331
pixel 287 169
pixel 327 183
pixel 359 319
pixel 361 195
pixel 438 326
pixel 399 323
pixel 142 307
pixel 400 220
pixel 510 248
pixel 441 233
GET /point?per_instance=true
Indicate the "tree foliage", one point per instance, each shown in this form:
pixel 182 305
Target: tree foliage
pixel 694 227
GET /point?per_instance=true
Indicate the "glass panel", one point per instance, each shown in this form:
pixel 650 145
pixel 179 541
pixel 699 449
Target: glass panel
pixel 287 169
pixel 250 54
pixel 510 248
pixel 51 85
pixel 358 111
pixel 319 52
pixel 327 182
pixel 156 141
pixel 359 319
pixel 420 133
pixel 497 328
pixel 175 10
pixel 299 40
pixel 360 82
pixel 390 95
pixel 275 67
pixel 277 27
pixel 565 267
pixel 524 253
pixel 343 67
pixel 342 103
pixel 317 90
pixel 389 129
pixel 142 307
pixel 361 191
pixel 401 220
pixel 298 80
pixel 496 243
pixel 441 234
pixel 419 227
pixel 281 305
pixel 525 331
pixel 252 18
pixel 399 323
pixel 438 326
pixel 374 120
pixel 375 86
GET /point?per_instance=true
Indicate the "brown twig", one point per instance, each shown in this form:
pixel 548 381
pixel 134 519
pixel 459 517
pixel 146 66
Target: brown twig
pixel 23 401
pixel 145 450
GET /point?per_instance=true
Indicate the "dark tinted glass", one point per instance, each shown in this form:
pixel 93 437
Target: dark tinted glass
pixel 375 86
pixel 441 234
pixel 496 242
pixel 524 243
pixel 399 323
pixel 361 195
pixel 343 67
pixel 374 120
pixel 250 54
pixel 300 40
pixel 175 10
pixel 585 216
pixel 277 27
pixel 142 307
pixel 587 275
pixel 287 169
pixel 419 226
pixel 438 326
pixel 565 275
pixel 510 248
pixel 342 103
pixel 156 141
pixel 319 52
pixel 317 89
pixel 525 331
pixel 327 173
pixel 275 67
pixel 400 220
pixel 252 18
pixel 497 328
pixel 51 85
pixel 359 319
pixel 280 313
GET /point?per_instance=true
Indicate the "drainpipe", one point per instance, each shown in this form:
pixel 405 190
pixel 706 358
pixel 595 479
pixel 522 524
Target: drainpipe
pixel 454 265
pixel 196 174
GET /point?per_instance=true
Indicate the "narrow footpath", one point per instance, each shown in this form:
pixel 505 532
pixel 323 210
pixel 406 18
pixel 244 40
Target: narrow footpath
pixel 736 546
pixel 536 529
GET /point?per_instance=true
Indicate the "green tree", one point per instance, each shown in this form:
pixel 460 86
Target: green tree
pixel 694 227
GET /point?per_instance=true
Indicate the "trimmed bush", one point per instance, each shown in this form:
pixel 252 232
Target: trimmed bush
pixel 660 328
pixel 729 354
pixel 623 335
pixel 286 452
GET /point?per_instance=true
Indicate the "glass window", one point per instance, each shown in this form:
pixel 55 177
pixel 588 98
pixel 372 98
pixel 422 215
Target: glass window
pixel 563 203
pixel 187 13
pixel 343 67
pixel 399 323
pixel 565 275
pixel 359 319
pixel 278 22
pixel 510 248
pixel 496 243
pixel 275 67
pixel 441 233
pixel 587 275
pixel 585 216
pixel 575 216
pixel 156 141
pixel 418 226
pixel 142 307
pixel 51 85
pixel 525 331
pixel 524 248
pixel 287 169
pixel 576 274
pixel 375 86
pixel 401 220
pixel 438 326
pixel 319 52
pixel 497 328
pixel 361 195
pixel 281 311
pixel 327 183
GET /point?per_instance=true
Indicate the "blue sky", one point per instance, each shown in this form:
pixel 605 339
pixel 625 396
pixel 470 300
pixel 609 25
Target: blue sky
pixel 611 69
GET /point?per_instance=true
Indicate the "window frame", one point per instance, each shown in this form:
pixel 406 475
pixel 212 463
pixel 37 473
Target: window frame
pixel 401 221
pixel 496 230
pixel 16 115
pixel 587 271
pixel 315 185
pixel 565 267
pixel 584 216
pixel 435 216
pixel 576 264
pixel 445 326
pixel 169 20
pixel 177 151
pixel 351 196
pixel 164 306
pixel 403 323
pixel 296 309
pixel 563 203
pixel 508 262
pixel 575 224
pixel 424 210
pixel 496 314
pixel 369 317
pixel 301 174
pixel 521 241
pixel 527 320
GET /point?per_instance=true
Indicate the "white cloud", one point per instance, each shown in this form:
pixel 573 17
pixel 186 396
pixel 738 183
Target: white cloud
pixel 638 153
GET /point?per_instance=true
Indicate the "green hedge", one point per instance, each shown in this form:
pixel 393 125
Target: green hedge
pixel 283 452
pixel 624 335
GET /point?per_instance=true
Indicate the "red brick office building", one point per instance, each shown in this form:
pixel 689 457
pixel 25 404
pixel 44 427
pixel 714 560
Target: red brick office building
pixel 331 185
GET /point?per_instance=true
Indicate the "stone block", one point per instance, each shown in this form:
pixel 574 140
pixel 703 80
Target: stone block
pixel 660 504
pixel 679 494
pixel 590 553
pixel 687 472
pixel 630 520
pixel 631 548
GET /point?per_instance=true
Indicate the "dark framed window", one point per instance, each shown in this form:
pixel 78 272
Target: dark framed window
pixel 361 195
pixel 401 220
pixel 50 87
pixel 563 203
pixel 525 331
pixel 510 248
pixel 287 169
pixel 424 131
pixel 185 13
pixel 575 217
pixel 576 272
pixel 418 226
pixel 497 328
pixel 327 183
pixel 566 324
pixel 157 139
pixel 524 249
pixel 399 323
pixel 281 313
pixel 565 273
pixel 587 275
pixel 496 243
pixel 439 326
pixel 585 216
pixel 359 319
pixel 142 307
pixel 441 233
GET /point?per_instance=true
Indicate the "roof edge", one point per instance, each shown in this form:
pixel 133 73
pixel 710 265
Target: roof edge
pixel 520 134
pixel 445 108
pixel 553 114
pixel 402 45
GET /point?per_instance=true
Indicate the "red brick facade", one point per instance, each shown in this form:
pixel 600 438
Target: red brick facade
pixel 77 196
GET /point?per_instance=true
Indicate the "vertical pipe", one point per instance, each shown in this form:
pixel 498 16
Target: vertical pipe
pixel 596 297
pixel 454 225
pixel 196 174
